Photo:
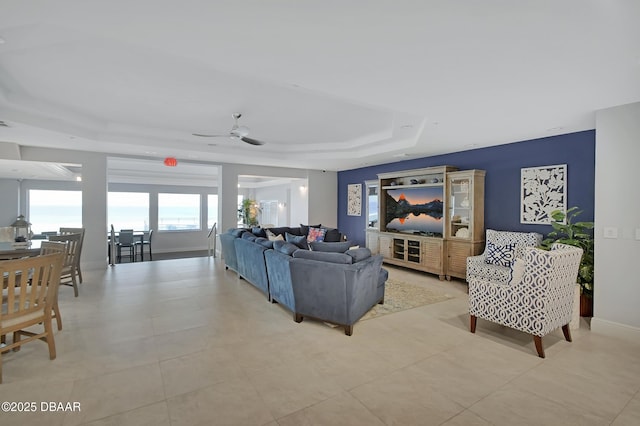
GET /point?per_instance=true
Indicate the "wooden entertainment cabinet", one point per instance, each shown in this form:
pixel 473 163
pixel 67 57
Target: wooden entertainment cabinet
pixel 440 241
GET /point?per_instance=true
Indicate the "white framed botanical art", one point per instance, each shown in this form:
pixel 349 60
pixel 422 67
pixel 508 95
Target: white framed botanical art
pixel 354 199
pixel 542 190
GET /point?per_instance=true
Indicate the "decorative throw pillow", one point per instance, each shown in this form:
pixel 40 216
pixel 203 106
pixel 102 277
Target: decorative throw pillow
pixel 304 229
pixel 517 271
pixel 299 240
pixel 332 235
pixel 273 237
pixel 359 254
pixel 500 255
pixel 258 232
pixel 316 234
pixel 285 247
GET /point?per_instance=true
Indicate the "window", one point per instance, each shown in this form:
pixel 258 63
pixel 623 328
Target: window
pixel 212 209
pixel 178 212
pixel 269 212
pixel 128 210
pixel 372 203
pixel 49 210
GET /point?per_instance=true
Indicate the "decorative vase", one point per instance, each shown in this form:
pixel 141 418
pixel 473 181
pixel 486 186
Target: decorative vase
pixel 586 306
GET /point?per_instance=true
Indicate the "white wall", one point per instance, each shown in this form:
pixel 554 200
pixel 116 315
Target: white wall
pixel 616 284
pixel 279 193
pixel 10 190
pixel 320 208
pixel 94 196
pixel 323 198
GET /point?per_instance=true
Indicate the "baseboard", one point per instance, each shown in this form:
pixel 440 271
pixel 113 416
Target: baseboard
pixel 94 265
pixel 180 250
pixel 615 329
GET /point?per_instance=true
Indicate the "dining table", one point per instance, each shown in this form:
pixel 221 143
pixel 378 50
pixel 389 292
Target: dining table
pixel 10 250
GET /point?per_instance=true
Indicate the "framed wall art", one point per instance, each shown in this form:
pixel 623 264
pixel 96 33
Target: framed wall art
pixel 542 190
pixel 354 199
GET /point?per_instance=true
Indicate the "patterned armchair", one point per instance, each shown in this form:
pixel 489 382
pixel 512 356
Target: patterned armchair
pixel 477 266
pixel 538 302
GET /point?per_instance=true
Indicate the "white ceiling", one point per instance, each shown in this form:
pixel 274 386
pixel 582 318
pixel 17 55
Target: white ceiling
pixel 328 85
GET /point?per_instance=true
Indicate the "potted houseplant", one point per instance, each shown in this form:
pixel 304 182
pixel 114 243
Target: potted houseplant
pixel 250 212
pixel 567 230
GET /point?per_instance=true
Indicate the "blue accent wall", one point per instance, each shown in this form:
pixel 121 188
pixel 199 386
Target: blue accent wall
pixel 502 182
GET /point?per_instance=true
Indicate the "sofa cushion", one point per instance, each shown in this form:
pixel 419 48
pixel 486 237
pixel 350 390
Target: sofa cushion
pixel 238 232
pixel 332 235
pixel 299 240
pixel 500 255
pixel 264 242
pixel 359 254
pixel 340 247
pixel 304 229
pixel 285 247
pixel 273 237
pixel 258 232
pixel 323 256
pixel 248 236
pixel 316 234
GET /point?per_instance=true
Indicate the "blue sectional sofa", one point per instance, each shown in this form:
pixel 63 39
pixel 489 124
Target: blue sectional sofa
pixel 330 283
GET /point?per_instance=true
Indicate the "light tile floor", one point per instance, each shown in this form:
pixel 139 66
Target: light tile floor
pixel 184 342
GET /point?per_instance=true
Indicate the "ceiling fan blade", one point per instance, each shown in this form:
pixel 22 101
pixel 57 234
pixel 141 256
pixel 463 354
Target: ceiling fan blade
pixel 251 141
pixel 209 136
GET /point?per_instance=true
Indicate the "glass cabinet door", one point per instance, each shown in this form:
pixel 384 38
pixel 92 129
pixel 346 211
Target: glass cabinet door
pixel 460 208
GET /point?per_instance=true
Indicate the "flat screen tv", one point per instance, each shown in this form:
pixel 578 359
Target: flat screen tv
pixel 415 210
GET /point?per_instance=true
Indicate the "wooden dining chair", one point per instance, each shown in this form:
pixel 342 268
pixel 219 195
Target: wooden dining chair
pixel 70 265
pixel 31 289
pixel 65 231
pixel 53 247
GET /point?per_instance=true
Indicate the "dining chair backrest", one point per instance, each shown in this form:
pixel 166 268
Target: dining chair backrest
pixel 66 231
pixel 51 247
pixel 72 253
pixel 71 263
pixel 125 237
pixel 32 289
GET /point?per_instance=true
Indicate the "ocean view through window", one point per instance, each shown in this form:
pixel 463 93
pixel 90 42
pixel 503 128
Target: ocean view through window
pixel 128 210
pixel 51 209
pixel 178 212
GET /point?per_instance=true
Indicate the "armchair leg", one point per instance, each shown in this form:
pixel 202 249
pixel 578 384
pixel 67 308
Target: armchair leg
pixel 297 317
pixel 472 323
pixel 539 348
pixel 566 332
pixel 348 330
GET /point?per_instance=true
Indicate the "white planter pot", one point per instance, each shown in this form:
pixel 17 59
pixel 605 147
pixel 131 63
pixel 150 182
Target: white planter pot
pixel 575 315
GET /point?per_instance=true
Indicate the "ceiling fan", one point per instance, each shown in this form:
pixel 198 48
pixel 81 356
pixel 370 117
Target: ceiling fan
pixel 236 132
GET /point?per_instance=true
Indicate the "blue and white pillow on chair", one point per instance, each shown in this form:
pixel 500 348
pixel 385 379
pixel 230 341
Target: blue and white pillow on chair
pixel 501 255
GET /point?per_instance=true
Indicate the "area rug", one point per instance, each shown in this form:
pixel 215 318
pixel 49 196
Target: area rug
pixel 400 296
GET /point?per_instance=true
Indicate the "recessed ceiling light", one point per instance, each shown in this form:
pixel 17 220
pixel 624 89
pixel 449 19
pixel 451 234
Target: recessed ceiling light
pixel 471 145
pixel 406 126
pixel 401 155
pixel 555 129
